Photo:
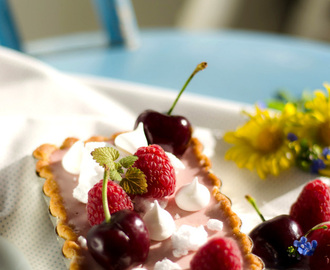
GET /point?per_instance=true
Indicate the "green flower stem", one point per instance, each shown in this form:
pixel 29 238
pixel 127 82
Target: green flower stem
pixel 199 67
pixel 104 195
pixel 252 201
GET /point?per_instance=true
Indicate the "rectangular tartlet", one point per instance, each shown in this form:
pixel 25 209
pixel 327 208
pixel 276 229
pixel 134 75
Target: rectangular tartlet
pixel 48 167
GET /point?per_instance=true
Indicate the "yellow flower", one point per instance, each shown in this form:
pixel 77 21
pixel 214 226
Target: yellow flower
pixel 317 123
pixel 261 144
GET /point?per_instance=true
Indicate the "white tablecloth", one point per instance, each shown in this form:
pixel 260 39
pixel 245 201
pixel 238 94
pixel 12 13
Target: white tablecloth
pixel 40 105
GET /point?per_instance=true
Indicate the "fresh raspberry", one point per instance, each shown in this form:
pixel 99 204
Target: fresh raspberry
pixel 117 200
pixel 219 253
pixel 312 206
pixel 320 260
pixel 158 169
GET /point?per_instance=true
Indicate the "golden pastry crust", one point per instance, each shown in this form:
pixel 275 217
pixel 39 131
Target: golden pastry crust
pixel 71 248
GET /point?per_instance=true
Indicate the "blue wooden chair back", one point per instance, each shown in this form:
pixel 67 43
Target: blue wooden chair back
pixel 9 36
pixel 116 16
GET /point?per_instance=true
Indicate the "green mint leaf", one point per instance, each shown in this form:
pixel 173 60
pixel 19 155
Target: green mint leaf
pixel 115 176
pixel 128 161
pixel 105 156
pixel 134 181
pixel 119 167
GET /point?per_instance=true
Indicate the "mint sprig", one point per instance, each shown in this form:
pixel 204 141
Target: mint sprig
pixel 105 157
pixel 128 161
pixel 134 181
pixel 131 179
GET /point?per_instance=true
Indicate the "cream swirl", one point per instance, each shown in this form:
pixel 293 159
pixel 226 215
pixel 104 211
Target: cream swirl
pixel 159 222
pixel 193 196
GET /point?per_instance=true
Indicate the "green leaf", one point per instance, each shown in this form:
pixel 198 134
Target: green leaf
pixel 115 176
pixel 276 104
pixel 106 156
pixel 119 167
pixel 134 181
pixel 128 161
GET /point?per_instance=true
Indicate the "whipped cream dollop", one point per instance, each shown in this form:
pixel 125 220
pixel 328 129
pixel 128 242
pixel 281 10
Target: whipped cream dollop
pixel 159 223
pixel 176 163
pixel 90 171
pixel 131 141
pixel 143 204
pixel 71 161
pixel 193 196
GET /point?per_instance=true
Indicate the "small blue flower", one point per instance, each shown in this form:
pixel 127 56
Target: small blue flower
pixel 292 137
pixel 304 247
pixel 317 164
pixel 326 153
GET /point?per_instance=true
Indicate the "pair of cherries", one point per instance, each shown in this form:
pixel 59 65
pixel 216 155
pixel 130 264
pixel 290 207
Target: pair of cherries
pixel 123 241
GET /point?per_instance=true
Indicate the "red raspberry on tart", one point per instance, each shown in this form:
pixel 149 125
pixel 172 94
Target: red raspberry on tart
pixel 312 206
pixel 159 171
pixel 219 253
pixel 117 200
pixel 321 257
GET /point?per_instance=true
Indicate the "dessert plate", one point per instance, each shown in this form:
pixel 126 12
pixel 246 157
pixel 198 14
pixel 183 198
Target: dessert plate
pixel 88 106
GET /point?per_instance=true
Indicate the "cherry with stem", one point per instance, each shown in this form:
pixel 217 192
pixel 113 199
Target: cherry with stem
pixel 272 238
pixel 171 132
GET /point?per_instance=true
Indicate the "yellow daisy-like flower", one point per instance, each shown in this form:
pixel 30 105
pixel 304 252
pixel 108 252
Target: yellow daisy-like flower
pixel 261 144
pixel 317 121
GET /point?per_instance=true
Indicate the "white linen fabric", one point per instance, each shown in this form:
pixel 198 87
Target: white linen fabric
pixel 40 105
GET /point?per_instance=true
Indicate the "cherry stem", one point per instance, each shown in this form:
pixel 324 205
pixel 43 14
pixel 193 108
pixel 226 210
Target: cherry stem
pixel 104 195
pixel 199 67
pixel 252 201
pixel 322 225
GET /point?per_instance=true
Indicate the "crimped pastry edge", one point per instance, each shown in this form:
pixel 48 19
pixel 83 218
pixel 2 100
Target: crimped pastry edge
pixel 68 239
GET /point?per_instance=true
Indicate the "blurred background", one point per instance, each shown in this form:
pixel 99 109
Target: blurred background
pixel 253 46
pixel 43 19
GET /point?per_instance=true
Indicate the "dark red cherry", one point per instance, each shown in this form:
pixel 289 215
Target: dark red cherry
pixel 171 132
pixel 271 240
pixel 121 243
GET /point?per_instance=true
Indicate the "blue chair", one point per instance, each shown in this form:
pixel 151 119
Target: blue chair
pixel 9 36
pixel 116 16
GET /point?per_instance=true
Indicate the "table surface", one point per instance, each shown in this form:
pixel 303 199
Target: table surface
pixel 242 66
